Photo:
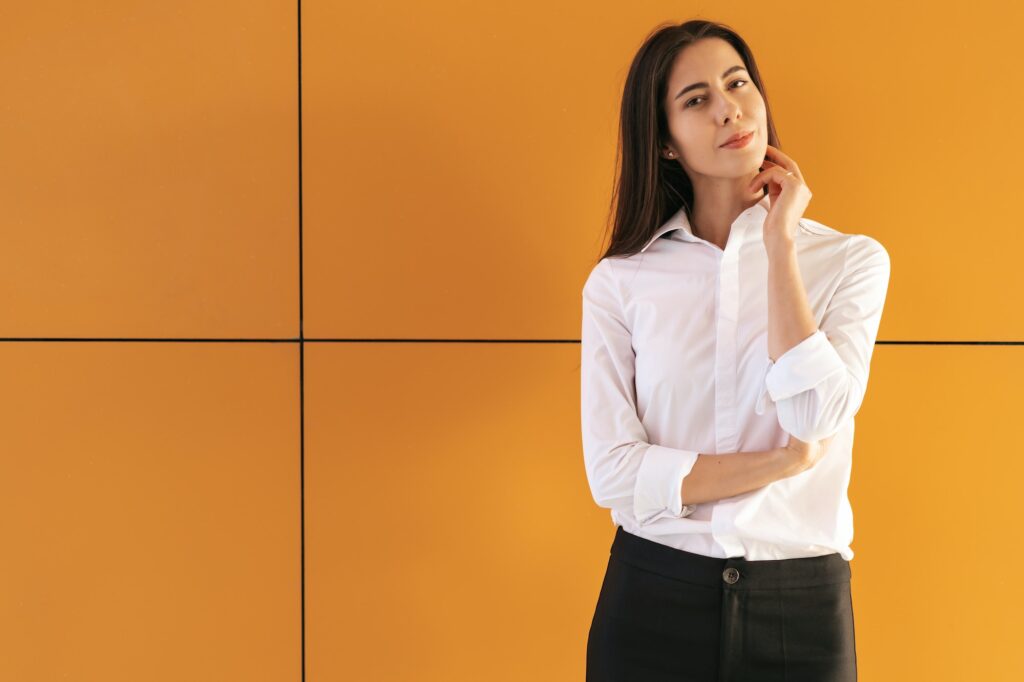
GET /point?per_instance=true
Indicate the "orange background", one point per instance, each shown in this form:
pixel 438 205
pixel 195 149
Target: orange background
pixel 268 425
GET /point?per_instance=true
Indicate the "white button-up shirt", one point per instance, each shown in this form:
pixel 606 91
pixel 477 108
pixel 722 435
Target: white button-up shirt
pixel 675 362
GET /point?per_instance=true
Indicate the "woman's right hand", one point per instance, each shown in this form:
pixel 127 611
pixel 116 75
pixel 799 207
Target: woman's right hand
pixel 805 455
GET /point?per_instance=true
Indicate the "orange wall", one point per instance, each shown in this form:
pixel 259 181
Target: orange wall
pixel 210 473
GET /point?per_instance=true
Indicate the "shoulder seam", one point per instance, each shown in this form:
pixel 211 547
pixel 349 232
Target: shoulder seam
pixel 810 228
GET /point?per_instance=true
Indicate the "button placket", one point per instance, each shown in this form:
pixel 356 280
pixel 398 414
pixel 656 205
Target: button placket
pixel 762 394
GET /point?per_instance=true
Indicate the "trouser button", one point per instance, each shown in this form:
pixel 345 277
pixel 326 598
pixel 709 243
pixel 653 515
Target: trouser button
pixel 731 575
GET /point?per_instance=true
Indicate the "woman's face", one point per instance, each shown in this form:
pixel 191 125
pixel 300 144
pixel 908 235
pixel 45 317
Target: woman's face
pixel 703 117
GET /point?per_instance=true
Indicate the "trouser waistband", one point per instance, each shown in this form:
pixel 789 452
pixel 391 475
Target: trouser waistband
pixel 735 572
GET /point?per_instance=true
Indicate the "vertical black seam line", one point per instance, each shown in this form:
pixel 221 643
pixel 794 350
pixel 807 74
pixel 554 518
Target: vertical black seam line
pixel 302 374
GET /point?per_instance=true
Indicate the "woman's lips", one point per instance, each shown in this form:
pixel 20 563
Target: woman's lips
pixel 742 142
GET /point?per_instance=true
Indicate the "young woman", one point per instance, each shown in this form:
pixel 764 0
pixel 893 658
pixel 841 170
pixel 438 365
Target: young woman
pixel 726 344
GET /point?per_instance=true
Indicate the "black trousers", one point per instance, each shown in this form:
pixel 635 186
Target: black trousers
pixel 669 615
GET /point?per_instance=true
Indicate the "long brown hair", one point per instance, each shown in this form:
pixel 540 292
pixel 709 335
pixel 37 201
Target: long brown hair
pixel 649 188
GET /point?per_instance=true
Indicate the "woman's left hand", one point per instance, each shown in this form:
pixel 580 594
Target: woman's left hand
pixel 788 195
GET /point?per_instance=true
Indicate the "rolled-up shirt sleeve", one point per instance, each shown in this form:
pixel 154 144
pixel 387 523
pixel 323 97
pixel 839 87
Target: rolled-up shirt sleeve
pixel 624 470
pixel 820 382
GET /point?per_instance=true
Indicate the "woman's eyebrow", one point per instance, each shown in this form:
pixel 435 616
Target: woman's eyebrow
pixel 703 84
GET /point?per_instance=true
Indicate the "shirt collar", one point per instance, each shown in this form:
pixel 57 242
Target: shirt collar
pixel 679 221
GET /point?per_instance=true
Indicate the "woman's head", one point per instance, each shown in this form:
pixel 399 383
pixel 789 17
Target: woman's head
pixel 709 97
pixel 670 133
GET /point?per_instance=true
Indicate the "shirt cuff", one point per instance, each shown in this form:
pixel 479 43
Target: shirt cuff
pixel 659 483
pixel 803 367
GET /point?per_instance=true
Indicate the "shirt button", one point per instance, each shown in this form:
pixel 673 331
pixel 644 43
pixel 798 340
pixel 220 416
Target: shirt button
pixel 731 575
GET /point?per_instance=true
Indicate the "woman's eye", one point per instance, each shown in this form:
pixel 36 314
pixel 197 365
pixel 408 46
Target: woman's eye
pixel 687 106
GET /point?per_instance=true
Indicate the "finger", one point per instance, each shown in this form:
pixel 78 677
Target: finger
pixel 776 174
pixel 781 158
pixel 768 163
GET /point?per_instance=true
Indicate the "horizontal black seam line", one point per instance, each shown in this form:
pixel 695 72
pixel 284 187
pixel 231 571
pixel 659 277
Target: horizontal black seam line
pixel 350 340
pixel 307 339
